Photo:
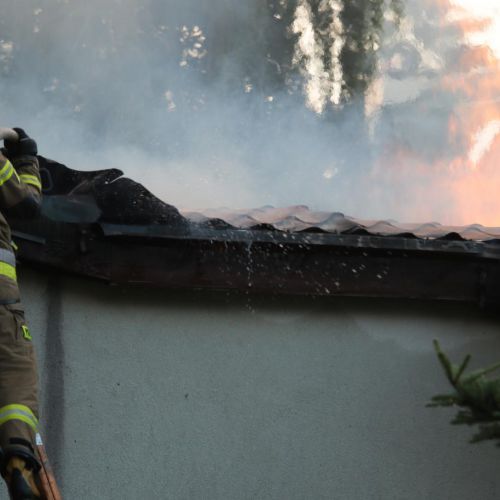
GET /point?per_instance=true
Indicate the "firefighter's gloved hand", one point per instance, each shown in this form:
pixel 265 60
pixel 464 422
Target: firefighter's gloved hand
pixel 24 146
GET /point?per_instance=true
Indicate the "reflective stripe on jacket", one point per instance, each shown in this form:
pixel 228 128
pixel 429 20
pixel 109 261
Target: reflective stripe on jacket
pixel 18 412
pixel 19 182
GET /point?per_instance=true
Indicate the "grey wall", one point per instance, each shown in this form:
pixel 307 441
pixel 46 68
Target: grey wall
pixel 148 394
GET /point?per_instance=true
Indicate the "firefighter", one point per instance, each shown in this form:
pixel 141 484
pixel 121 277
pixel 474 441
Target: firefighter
pixel 20 197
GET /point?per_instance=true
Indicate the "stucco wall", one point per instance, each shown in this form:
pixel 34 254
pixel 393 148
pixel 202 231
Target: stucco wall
pixel 148 394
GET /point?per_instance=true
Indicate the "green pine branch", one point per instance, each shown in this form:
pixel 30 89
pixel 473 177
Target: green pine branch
pixel 476 395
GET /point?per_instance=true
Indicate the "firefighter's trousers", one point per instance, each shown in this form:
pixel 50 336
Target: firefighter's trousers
pixel 18 378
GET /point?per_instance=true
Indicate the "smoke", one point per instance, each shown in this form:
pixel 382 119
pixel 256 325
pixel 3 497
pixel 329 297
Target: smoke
pixel 194 100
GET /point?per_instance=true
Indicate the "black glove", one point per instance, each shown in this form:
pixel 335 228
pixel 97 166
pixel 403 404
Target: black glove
pixel 24 146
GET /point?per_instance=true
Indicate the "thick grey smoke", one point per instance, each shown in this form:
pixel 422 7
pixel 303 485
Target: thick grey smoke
pixel 182 96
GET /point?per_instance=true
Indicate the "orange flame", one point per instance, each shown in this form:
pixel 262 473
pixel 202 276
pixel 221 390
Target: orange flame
pixel 477 183
pixel 470 180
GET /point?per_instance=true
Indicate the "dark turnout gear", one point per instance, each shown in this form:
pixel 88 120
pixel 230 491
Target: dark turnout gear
pixel 20 195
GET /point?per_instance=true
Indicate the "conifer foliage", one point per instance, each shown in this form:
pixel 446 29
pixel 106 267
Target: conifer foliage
pixel 477 396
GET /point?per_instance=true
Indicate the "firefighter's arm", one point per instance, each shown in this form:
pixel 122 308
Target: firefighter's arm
pixel 20 186
pixel 21 195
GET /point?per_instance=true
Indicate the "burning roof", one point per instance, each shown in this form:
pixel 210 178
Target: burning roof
pixel 301 219
pixel 104 226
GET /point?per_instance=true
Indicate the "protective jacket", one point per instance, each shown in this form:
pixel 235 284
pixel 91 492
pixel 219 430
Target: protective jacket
pixel 20 196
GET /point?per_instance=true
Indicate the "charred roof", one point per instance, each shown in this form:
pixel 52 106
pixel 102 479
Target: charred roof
pixel 105 226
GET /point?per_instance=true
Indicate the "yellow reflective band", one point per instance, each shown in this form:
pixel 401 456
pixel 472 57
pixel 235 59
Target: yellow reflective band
pixel 18 416
pixel 31 179
pixel 18 412
pixel 8 271
pixel 19 408
pixel 6 172
pixel 26 332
